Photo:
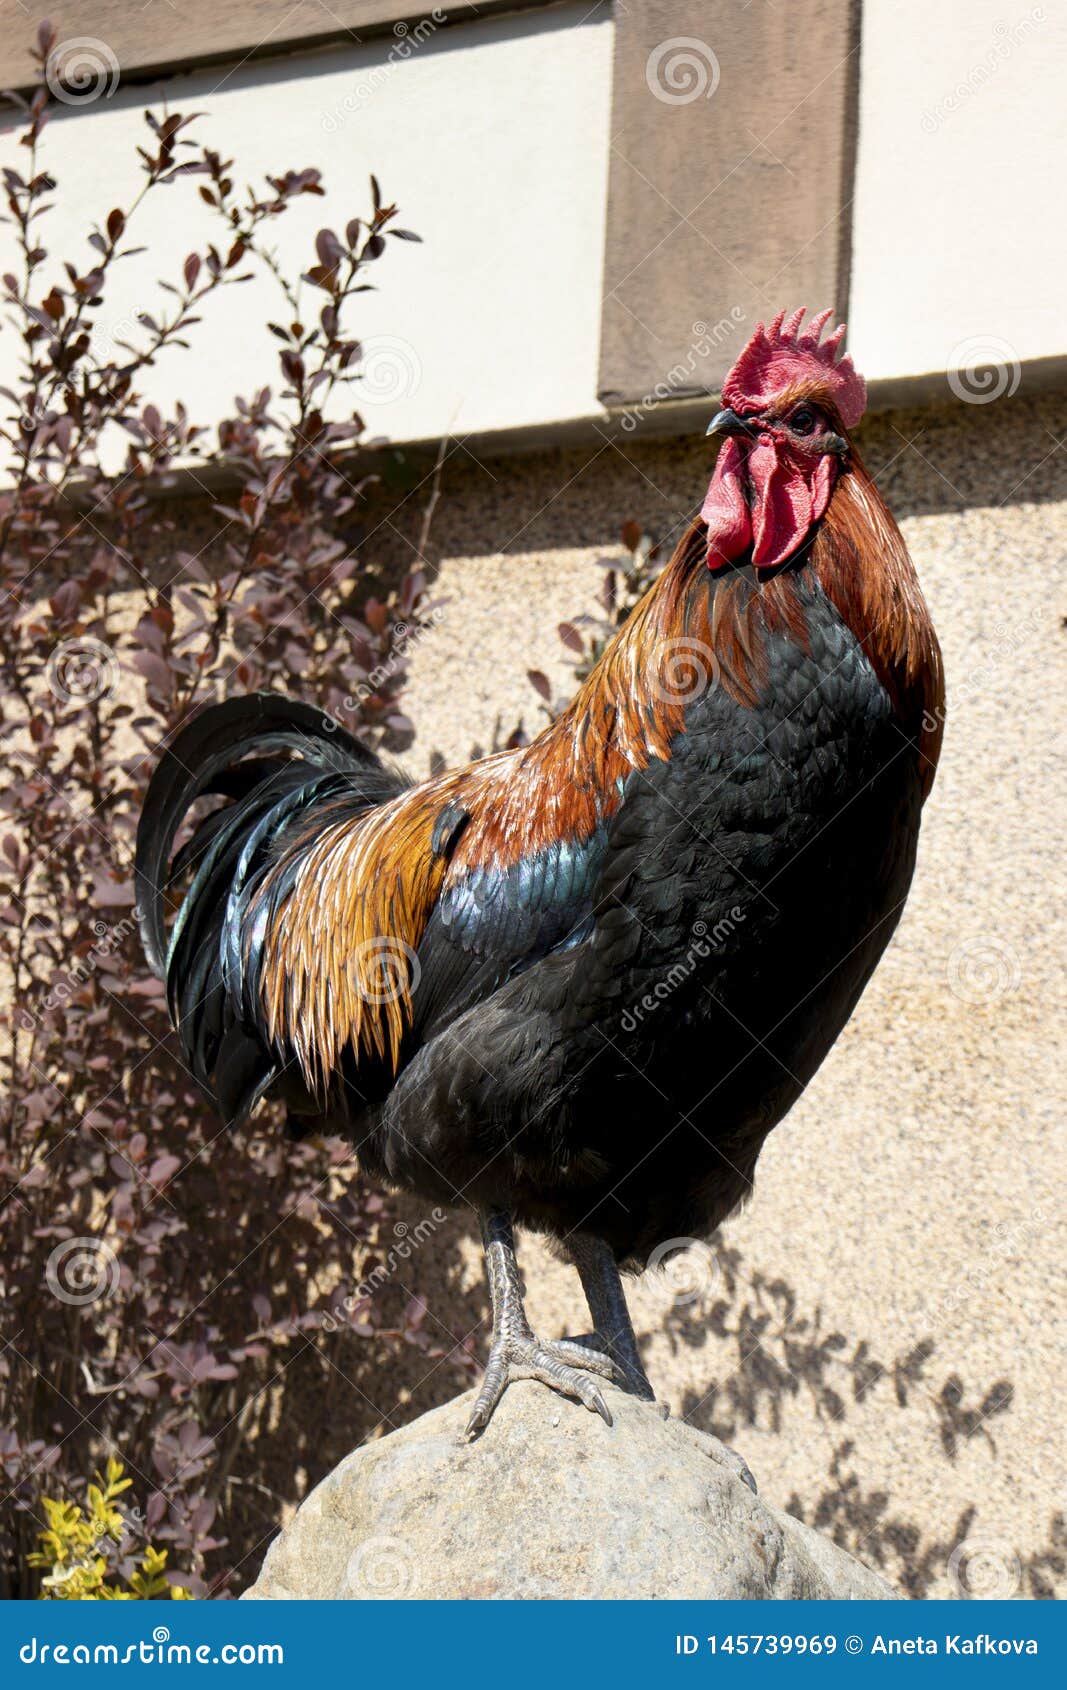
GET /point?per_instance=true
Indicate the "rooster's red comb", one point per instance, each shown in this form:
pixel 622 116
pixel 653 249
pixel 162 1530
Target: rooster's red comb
pixel 780 357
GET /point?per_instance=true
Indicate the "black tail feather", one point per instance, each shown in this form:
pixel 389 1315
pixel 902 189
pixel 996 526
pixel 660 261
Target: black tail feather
pixel 272 758
pixel 214 740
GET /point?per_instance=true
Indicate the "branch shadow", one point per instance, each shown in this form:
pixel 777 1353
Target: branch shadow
pixel 783 1354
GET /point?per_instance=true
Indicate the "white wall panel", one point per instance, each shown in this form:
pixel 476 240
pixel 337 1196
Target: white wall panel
pixel 492 138
pixel 960 232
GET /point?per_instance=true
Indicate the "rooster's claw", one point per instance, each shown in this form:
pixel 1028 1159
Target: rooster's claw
pixel 566 1366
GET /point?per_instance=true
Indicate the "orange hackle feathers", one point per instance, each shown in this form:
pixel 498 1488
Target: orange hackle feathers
pixel 367 885
pixel 344 939
pixel 862 561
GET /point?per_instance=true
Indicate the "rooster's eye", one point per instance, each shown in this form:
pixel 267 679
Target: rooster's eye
pixel 802 421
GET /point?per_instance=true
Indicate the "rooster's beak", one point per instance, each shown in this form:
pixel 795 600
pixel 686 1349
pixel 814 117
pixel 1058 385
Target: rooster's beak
pixel 728 422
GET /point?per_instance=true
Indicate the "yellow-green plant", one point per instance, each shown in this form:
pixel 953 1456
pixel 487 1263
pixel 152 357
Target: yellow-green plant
pixel 78 1548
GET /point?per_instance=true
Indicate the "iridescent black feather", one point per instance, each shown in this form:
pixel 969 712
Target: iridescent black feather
pixel 211 963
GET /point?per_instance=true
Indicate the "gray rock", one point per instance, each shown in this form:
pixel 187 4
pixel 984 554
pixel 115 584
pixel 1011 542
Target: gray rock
pixel 550 1502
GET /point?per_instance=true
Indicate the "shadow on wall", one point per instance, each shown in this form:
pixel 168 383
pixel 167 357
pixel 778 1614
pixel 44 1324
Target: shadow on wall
pixel 765 1352
pixel 1000 448
pixel 937 460
pixel 782 1353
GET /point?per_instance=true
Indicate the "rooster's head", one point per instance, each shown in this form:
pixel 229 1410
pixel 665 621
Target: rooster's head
pixel 789 400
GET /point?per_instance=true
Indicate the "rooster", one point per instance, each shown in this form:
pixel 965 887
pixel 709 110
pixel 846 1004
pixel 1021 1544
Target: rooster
pixel 574 985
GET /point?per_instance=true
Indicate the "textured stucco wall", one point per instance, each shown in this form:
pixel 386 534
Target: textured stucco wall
pixel 876 1332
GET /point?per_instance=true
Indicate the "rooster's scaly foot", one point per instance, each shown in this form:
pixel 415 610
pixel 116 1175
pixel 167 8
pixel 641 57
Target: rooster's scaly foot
pixel 567 1367
pixel 515 1353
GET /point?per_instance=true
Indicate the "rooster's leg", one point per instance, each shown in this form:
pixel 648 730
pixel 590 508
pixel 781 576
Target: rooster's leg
pixel 607 1305
pixel 515 1353
pixel 614 1329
